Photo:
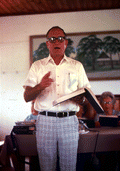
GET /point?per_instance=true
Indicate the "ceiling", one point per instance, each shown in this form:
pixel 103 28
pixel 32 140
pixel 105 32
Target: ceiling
pixel 27 7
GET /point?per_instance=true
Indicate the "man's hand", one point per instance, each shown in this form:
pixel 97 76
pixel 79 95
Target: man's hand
pixel 46 81
pixel 32 92
pixel 78 99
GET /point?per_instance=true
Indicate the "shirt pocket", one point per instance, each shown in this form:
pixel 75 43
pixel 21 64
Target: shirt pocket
pixel 73 82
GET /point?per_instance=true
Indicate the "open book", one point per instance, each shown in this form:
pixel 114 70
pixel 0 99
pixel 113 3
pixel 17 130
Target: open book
pixel 108 120
pixel 87 93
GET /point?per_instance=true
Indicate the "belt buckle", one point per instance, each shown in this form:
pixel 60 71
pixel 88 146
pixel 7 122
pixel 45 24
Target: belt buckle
pixel 60 114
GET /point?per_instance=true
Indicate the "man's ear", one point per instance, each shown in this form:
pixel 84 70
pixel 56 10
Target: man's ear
pixel 66 43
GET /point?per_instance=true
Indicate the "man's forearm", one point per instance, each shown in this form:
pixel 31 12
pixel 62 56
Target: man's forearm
pixel 31 93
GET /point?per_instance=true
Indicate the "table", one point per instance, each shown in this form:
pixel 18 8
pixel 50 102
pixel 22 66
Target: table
pixel 107 147
pixel 108 140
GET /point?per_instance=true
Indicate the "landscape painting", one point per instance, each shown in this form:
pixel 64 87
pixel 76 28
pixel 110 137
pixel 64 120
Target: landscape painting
pixel 99 52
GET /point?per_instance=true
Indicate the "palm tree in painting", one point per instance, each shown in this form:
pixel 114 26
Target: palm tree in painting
pixel 41 52
pixel 70 48
pixel 88 50
pixel 118 50
pixel 111 46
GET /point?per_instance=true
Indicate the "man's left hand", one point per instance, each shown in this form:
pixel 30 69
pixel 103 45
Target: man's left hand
pixel 78 99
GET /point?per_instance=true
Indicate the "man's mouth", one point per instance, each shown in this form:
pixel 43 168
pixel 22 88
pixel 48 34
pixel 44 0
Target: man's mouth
pixel 56 48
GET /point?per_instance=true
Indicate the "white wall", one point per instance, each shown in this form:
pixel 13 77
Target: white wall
pixel 14 55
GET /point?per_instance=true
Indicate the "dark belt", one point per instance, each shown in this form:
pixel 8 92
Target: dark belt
pixel 58 114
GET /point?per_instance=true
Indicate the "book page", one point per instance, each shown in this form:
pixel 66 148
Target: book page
pixel 108 116
pixel 87 93
pixel 93 100
pixel 68 96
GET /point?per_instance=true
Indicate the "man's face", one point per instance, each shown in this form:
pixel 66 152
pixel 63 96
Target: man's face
pixel 107 104
pixel 56 48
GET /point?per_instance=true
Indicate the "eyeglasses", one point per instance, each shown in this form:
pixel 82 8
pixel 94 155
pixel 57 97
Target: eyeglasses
pixel 53 39
pixel 108 102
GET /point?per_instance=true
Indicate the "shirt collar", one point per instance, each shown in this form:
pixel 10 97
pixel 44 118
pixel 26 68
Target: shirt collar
pixel 49 59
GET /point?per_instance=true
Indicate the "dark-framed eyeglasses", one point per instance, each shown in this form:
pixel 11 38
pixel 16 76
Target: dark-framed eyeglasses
pixel 108 102
pixel 53 39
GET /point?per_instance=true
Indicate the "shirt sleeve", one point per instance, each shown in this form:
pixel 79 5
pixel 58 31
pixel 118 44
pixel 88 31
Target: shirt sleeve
pixel 31 117
pixel 83 79
pixel 31 79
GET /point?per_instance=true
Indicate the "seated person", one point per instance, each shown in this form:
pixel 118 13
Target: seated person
pixel 33 116
pixel 107 101
pixel 108 160
pixel 7 149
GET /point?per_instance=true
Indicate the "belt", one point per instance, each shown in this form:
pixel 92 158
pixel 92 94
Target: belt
pixel 58 114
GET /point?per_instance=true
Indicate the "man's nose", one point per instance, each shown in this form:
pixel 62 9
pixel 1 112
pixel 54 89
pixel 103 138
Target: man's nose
pixel 107 104
pixel 56 42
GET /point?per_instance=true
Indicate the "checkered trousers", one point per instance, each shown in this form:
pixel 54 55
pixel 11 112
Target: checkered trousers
pixel 54 133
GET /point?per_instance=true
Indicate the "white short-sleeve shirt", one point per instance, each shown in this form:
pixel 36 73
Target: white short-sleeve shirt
pixel 67 77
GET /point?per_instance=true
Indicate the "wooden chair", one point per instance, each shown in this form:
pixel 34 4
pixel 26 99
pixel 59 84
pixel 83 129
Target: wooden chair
pixel 5 168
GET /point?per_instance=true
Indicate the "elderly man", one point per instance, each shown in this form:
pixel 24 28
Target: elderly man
pixel 57 126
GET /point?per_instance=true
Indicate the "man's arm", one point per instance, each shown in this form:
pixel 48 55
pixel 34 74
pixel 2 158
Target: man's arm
pixel 31 93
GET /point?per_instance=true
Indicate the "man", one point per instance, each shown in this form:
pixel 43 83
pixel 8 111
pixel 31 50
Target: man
pixel 57 126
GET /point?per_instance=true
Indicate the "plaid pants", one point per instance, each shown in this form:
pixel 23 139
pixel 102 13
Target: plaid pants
pixel 54 133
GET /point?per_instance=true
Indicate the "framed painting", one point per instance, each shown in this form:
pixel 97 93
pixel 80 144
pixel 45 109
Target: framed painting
pixel 99 52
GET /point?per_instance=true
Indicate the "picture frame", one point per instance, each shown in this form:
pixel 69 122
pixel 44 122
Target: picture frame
pixel 99 52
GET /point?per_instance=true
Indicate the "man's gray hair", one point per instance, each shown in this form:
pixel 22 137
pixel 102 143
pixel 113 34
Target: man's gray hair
pixel 107 94
pixel 55 27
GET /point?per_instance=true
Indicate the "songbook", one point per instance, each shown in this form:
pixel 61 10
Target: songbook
pixel 87 92
pixel 108 120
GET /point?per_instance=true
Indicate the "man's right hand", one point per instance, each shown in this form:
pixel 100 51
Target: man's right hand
pixel 32 92
pixel 46 81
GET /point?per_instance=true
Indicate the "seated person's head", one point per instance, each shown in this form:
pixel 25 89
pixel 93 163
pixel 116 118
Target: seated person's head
pixel 107 101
